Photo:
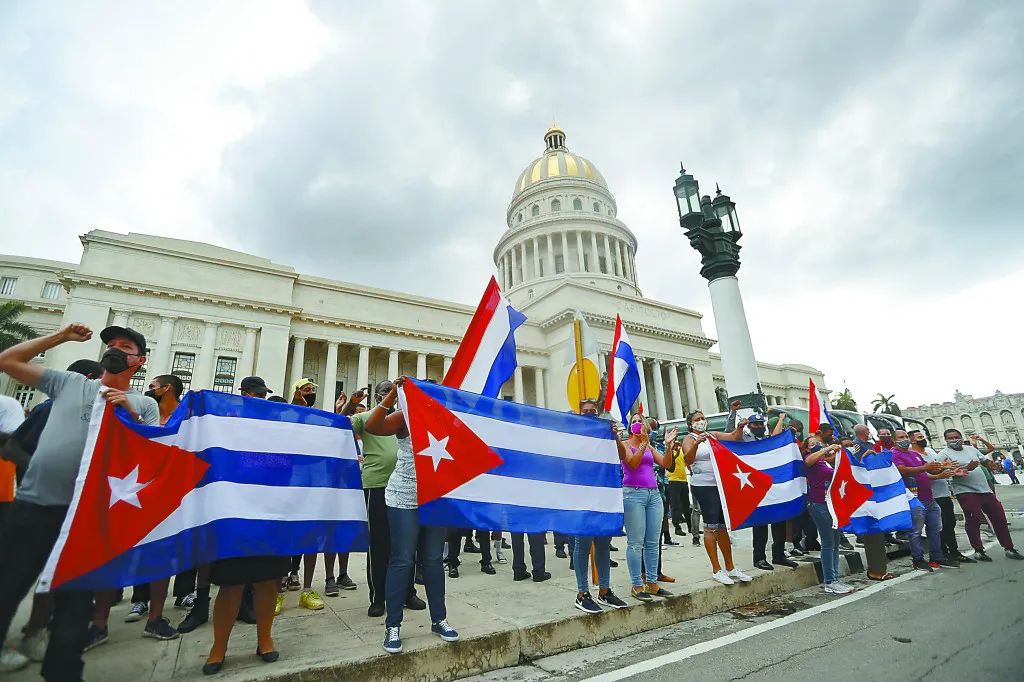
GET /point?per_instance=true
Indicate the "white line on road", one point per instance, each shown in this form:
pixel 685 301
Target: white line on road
pixel 711 645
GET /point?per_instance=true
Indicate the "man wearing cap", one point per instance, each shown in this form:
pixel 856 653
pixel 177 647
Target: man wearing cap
pixel 35 517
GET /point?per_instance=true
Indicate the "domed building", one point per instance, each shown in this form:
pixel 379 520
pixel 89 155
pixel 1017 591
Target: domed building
pixel 564 250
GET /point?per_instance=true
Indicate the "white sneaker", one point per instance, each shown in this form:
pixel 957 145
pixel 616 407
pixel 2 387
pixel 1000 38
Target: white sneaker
pixel 34 646
pixel 848 586
pixel 11 660
pixel 737 574
pixel 137 612
pixel 838 588
pixel 723 577
pixel 499 555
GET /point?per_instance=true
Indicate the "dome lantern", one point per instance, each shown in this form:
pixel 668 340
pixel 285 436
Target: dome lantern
pixel 554 138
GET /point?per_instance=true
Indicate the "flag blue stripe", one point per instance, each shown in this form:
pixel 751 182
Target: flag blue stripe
pixel 538 467
pixel 773 513
pixel 862 525
pixel 505 362
pixel 887 492
pixel 517 519
pixel 786 472
pixel 759 447
pixel 515 413
pixel 298 471
pixel 223 539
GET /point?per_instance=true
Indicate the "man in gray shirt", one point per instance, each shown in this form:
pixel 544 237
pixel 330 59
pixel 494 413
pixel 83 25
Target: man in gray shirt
pixel 975 497
pixel 34 519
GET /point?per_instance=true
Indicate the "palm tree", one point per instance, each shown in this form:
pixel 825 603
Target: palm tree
pixel 884 403
pixel 12 330
pixel 845 401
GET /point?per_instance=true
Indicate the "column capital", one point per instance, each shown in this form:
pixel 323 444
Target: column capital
pixel 251 330
pixel 299 338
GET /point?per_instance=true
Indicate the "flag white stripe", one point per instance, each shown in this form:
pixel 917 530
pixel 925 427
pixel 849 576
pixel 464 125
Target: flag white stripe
pixel 784 492
pixel 526 492
pixel 261 435
pixel 773 458
pixel 876 478
pixel 228 500
pixel 494 337
pixel 513 436
pixel 880 510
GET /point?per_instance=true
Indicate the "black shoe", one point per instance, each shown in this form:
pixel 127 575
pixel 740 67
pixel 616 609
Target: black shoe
pixel 679 530
pixel 453 571
pixel 212 668
pixel 949 563
pixel 609 599
pixel 763 565
pixel 963 558
pixel 670 542
pixel 560 553
pixel 246 614
pixel 268 656
pixel 345 583
pixel 541 577
pixel 331 588
pixel 612 548
pixel 1014 554
pixel 813 546
pixel 613 563
pixel 375 610
pixel 923 566
pixel 586 604
pixel 696 541
pixel 845 545
pixel 980 555
pixel 96 636
pixel 525 575
pixel 785 562
pixel 199 614
pixel 504 544
pixel 414 603
pixel 487 568
pixel 470 547
pixel 160 629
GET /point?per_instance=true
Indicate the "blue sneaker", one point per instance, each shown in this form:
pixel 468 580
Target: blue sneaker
pixel 392 640
pixel 444 631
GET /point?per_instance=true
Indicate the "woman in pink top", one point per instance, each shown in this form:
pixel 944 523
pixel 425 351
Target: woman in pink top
pixel 642 504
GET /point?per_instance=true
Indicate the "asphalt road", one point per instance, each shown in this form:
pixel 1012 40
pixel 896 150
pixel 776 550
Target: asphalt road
pixel 965 624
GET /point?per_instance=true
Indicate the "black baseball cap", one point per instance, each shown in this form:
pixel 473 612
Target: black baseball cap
pixel 254 385
pixel 111 333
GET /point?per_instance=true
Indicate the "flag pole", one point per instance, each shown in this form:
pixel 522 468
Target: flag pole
pixel 581 376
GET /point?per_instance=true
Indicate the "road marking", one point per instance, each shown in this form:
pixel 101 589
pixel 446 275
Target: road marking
pixel 725 640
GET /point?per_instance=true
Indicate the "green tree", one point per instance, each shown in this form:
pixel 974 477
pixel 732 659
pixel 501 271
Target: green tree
pixel 845 401
pixel 12 330
pixel 884 403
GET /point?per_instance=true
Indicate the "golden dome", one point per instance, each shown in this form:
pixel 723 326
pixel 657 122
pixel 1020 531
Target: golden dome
pixel 557 162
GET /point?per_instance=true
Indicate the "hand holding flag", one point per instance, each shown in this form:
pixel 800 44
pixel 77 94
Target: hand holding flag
pixel 845 494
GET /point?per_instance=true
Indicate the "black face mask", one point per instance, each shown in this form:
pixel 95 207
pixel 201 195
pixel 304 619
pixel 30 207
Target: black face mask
pixel 310 399
pixel 921 443
pixel 154 395
pixel 114 361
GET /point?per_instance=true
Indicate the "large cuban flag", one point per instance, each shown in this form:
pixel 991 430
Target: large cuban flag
pixel 817 410
pixel 486 358
pixel 760 481
pixel 227 476
pixel 623 375
pixel 498 465
pixel 888 510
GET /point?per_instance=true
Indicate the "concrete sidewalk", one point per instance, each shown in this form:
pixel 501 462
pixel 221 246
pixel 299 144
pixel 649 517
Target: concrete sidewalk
pixel 501 622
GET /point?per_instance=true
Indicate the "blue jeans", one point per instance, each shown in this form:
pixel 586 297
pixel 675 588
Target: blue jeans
pixel 581 561
pixel 829 539
pixel 409 539
pixel 643 510
pixel 929 519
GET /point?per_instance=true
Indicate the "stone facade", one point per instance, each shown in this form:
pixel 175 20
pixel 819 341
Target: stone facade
pixel 998 417
pixel 213 315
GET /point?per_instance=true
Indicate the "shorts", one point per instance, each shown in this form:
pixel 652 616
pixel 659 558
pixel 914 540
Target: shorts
pixel 710 505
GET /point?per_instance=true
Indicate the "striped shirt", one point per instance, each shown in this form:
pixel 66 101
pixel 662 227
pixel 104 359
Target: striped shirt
pixel 400 492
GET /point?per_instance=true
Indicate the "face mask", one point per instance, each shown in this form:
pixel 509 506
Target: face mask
pixel 885 440
pixel 637 428
pixel 154 395
pixel 815 448
pixel 757 430
pixel 310 398
pixel 903 444
pixel 956 444
pixel 114 360
pixel 700 425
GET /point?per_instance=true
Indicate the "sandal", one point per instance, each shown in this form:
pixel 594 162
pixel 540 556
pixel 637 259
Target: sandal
pixel 887 576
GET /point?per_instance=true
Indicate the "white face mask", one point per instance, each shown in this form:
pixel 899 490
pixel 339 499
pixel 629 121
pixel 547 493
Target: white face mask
pixel 700 425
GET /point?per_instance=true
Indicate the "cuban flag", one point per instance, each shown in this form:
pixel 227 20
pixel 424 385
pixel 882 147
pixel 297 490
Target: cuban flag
pixel 228 476
pixel 623 375
pixel 817 411
pixel 486 358
pixel 845 495
pixel 498 465
pixel 888 509
pixel 759 481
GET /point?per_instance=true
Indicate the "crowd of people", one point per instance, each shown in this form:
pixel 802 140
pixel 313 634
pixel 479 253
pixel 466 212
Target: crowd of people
pixel 667 482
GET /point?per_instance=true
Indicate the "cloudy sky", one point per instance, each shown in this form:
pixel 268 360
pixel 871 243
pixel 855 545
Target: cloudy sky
pixel 875 151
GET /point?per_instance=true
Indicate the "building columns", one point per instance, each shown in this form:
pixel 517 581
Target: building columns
pixel 643 384
pixel 659 389
pixel 392 364
pixel 363 368
pixel 536 258
pixel 327 390
pixel 565 251
pixel 298 358
pixel 421 365
pixel 248 352
pixel 673 384
pixel 595 258
pixel 517 384
pixel 579 252
pixel 551 255
pixel 203 373
pixel 691 393
pixel 161 359
pixel 538 381
pixel 447 366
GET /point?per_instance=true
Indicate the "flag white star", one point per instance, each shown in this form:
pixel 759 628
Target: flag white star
pixel 437 450
pixel 126 489
pixel 842 489
pixel 744 477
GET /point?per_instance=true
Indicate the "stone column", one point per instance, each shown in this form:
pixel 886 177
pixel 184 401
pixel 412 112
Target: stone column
pixel 551 255
pixel 659 389
pixel 447 366
pixel 632 266
pixel 248 353
pixel 595 257
pixel 517 384
pixel 327 396
pixel 421 365
pixel 515 265
pixel 643 384
pixel 298 358
pixel 203 373
pixel 623 250
pixel 161 359
pixel 691 393
pixel 673 384
pixel 536 257
pixel 392 364
pixel 579 251
pixel 565 251
pixel 522 260
pixel 363 367
pixel 609 262
pixel 538 380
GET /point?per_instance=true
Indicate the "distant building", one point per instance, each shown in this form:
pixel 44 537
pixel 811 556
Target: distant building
pixel 998 417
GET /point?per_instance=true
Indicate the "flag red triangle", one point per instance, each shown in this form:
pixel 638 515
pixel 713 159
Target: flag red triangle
pixel 741 485
pixel 132 484
pixel 447 453
pixel 813 408
pixel 845 493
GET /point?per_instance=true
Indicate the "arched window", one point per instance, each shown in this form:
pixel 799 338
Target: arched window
pixel 986 421
pixel 947 423
pixel 930 425
pixel 556 205
pixel 968 423
pixel 535 210
pixel 577 204
pixel 597 207
pixel 1007 418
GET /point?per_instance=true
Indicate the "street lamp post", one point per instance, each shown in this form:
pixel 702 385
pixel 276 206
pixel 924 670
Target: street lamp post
pixel 713 228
